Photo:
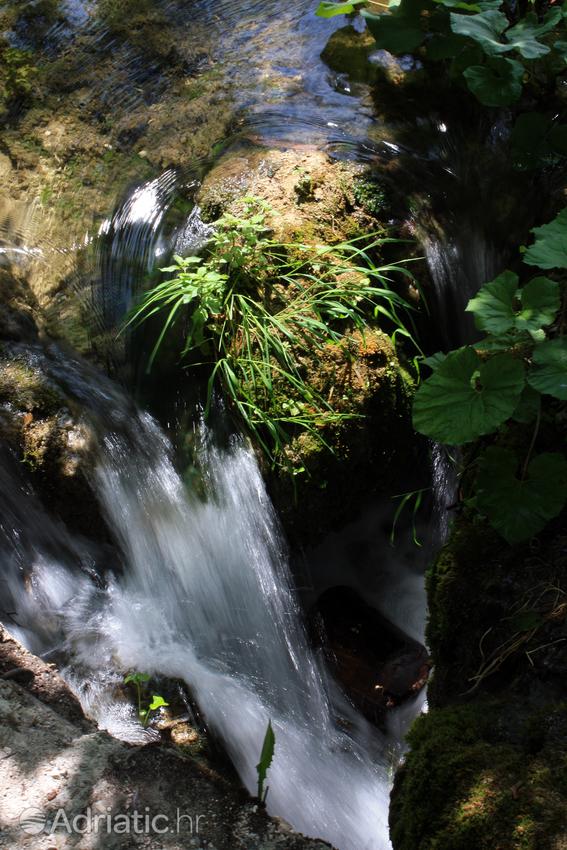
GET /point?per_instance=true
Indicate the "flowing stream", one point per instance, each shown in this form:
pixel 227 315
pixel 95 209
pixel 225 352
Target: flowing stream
pixel 204 593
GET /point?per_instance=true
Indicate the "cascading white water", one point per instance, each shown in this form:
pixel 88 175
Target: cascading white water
pixel 206 596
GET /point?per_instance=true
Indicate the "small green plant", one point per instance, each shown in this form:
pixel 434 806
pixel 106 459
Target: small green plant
pixel 145 708
pixel 481 390
pixel 266 758
pixel 17 73
pixel 413 501
pixel 256 309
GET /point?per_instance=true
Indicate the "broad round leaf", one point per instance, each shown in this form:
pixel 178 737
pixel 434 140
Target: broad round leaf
pixel 395 33
pixel 493 307
pixel 550 373
pixel 485 28
pixel 516 508
pixel 496 84
pixel 549 250
pixel 466 398
pixel 500 306
pixel 524 35
pixel 541 301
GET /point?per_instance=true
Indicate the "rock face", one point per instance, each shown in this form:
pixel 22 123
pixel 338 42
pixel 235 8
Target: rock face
pixel 56 769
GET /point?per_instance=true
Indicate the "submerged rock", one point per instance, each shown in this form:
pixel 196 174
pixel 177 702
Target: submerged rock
pixel 377 665
pixel 348 52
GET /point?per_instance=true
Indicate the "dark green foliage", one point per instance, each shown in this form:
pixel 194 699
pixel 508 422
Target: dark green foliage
pixel 17 74
pixel 491 52
pixel 479 390
pixel 531 497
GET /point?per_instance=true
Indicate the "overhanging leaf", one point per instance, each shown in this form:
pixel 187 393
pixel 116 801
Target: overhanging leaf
pixel 541 300
pixel 498 83
pixel 549 250
pixel 395 33
pixel 500 306
pixel 550 373
pixel 524 35
pixel 484 28
pixel 493 307
pixel 518 508
pixel 465 397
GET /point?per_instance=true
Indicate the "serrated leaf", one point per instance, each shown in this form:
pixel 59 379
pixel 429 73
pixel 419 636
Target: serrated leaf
pixel 484 28
pixel 524 35
pixel 519 509
pixel 498 83
pixel 549 374
pixel 466 397
pixel 549 250
pixel 435 360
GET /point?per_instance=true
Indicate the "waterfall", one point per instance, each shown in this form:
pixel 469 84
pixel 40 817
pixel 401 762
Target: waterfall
pixel 204 594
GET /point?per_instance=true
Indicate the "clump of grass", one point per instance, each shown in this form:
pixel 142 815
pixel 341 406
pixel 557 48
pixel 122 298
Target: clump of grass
pixel 258 311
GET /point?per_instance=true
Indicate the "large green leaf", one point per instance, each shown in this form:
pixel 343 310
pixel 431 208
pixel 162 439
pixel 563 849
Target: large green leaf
pixel 520 507
pixel 540 300
pixel 485 28
pixel 500 306
pixel 465 397
pixel 395 33
pixel 498 83
pixel 549 250
pixel 550 373
pixel 524 35
pixel 493 307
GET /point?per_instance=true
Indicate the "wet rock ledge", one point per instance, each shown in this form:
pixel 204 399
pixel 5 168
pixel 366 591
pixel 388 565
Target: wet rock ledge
pixel 52 758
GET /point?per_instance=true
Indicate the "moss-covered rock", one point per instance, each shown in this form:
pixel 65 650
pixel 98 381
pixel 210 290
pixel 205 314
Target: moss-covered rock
pixel 348 51
pixel 322 486
pixel 490 775
pixel 488 765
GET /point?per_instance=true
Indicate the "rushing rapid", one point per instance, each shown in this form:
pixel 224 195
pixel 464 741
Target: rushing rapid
pixel 204 594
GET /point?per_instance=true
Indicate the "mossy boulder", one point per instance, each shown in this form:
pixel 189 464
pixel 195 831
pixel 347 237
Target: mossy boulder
pixel 323 485
pixel 323 478
pixel 490 775
pixel 308 197
pixel 487 766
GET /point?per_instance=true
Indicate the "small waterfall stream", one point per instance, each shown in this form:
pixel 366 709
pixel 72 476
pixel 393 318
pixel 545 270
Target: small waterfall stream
pixel 205 594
